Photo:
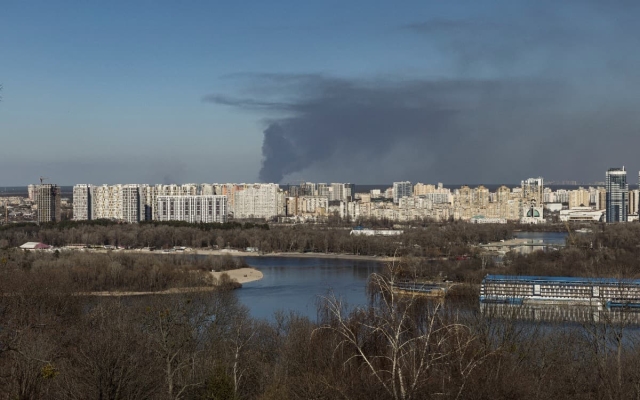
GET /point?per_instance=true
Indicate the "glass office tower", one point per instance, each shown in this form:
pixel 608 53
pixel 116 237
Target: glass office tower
pixel 617 195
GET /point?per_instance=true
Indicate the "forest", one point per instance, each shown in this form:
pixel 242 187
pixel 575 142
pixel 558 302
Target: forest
pixel 433 240
pixel 59 342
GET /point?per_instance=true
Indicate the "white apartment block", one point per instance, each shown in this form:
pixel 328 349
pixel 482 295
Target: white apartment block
pixel 115 202
pixel 263 200
pixel 402 189
pixel 106 202
pixel 192 208
pixel 132 206
pixel 31 190
pixel 346 209
pixel 338 191
pixel 82 202
pixel 207 189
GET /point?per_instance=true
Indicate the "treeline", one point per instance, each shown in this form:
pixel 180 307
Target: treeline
pixel 435 240
pixel 605 250
pixel 80 272
pixel 54 345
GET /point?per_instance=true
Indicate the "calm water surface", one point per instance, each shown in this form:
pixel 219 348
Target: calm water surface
pixel 296 283
pixel 546 237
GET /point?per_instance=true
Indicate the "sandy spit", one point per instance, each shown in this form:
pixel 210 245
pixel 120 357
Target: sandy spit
pixel 241 275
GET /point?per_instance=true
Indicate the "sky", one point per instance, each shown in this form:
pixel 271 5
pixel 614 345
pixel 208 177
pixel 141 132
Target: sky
pixel 331 91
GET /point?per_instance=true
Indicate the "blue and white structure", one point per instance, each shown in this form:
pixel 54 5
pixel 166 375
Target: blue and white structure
pixel 617 195
pixel 600 292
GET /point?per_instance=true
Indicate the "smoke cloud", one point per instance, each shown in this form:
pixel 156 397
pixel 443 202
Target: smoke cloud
pixel 540 94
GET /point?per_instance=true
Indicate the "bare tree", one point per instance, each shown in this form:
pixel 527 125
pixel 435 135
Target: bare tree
pixel 405 343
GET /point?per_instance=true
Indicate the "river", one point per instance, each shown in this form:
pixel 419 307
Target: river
pixel 295 284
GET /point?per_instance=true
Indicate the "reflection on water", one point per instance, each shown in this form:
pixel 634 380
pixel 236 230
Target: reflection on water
pixel 295 284
pixel 560 313
pixel 544 237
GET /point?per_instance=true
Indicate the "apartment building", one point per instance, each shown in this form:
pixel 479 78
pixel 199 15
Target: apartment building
pixel 261 200
pixel 192 208
pixel 48 199
pixel 132 203
pixel 402 189
pixel 106 202
pixel 300 205
pixel 579 198
pixel 82 209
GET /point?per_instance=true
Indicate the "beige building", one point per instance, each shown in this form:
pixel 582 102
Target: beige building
pixel 633 201
pixel 579 198
pixel 421 189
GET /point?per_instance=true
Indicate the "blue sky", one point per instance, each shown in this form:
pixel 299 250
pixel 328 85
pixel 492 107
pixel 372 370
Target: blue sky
pixel 116 92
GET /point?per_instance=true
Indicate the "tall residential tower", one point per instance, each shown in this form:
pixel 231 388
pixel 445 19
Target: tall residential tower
pixel 48 203
pixel 617 195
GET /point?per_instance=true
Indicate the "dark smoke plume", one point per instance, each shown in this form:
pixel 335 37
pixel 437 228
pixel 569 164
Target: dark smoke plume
pixel 536 96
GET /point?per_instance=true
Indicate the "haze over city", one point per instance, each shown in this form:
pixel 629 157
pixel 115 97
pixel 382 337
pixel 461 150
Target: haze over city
pixel 457 92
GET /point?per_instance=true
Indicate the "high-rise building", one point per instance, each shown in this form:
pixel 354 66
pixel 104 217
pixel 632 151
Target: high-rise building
pixel 633 202
pixel 48 202
pixel 192 208
pixel 340 191
pixel 579 198
pixel 617 195
pixel 533 189
pixel 402 189
pixel 82 202
pixel 132 204
pixel 259 201
pixel 31 190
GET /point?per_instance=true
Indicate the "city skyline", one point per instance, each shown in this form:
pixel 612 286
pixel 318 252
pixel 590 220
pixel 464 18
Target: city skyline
pixel 283 92
pixel 309 201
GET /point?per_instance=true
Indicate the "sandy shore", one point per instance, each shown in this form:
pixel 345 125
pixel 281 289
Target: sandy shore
pixel 242 275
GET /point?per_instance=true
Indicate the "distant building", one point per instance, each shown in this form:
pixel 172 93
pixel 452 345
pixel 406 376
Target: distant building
pixel 402 189
pixel 579 198
pixel 481 219
pixel 35 246
pixel 82 202
pixel 533 188
pixel 341 192
pixel 194 209
pixel 632 207
pixel 48 199
pixel 532 201
pixel 359 231
pixel 617 195
pixel 585 214
pixel 132 206
pixel 261 200
pixel 31 190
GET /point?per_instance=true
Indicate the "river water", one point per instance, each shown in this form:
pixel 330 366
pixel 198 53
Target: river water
pixel 295 284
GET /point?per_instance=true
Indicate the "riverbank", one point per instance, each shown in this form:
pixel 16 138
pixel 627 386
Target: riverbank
pixel 240 275
pixel 239 253
pixel 295 255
